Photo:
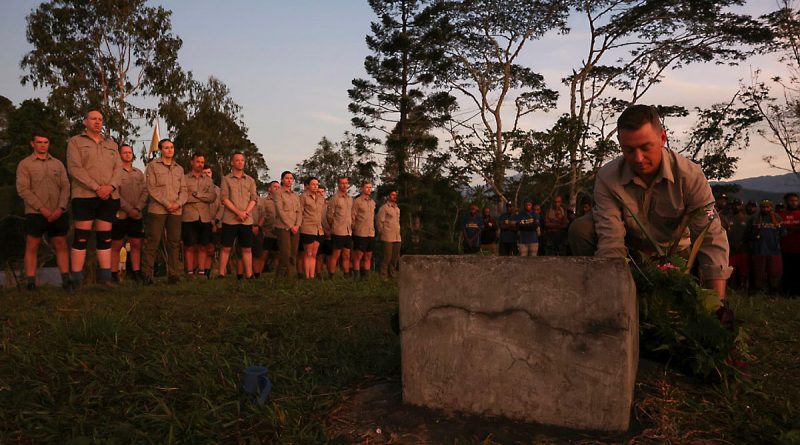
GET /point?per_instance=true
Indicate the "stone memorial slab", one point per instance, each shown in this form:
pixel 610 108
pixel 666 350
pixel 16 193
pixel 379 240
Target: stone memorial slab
pixel 552 340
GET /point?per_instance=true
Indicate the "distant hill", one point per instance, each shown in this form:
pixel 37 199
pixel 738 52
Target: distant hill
pixel 764 187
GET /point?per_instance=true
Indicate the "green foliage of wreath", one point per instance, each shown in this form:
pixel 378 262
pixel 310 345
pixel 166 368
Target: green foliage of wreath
pixel 678 317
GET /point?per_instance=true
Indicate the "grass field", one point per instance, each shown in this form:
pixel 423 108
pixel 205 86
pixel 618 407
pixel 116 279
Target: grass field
pixel 162 364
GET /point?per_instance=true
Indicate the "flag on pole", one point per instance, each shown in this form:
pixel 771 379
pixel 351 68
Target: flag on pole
pixel 154 142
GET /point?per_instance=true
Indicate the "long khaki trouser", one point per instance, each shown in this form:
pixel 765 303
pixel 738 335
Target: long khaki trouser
pixel 288 243
pixel 391 257
pixel 153 231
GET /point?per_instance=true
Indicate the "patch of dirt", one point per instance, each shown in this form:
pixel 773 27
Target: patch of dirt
pixel 376 415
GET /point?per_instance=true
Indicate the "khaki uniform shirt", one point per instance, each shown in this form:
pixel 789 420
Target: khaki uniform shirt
pixel 363 216
pixel 239 191
pixel 216 207
pixel 42 183
pixel 288 209
pixel 200 194
pixel 313 206
pixel 679 189
pixel 268 216
pixel 389 223
pixel 132 192
pixel 340 214
pixel 165 184
pixel 93 164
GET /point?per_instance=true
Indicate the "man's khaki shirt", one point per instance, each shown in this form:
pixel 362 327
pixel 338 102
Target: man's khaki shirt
pixel 42 183
pixel 340 214
pixel 239 191
pixel 216 207
pixel 288 209
pixel 313 206
pixel 132 192
pixel 268 216
pixel 200 194
pixel 389 223
pixel 165 184
pixel 92 164
pixel 680 189
pixel 363 216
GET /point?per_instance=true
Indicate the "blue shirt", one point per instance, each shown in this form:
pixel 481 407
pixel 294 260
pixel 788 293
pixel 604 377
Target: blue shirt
pixel 766 232
pixel 472 230
pixel 507 236
pixel 527 223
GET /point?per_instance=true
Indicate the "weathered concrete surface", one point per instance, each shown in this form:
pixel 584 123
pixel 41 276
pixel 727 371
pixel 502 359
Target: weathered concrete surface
pixel 552 340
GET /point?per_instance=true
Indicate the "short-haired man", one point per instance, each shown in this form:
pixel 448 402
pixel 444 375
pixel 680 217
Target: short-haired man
pixel 660 187
pixel 325 248
pixel 43 185
pixel 95 167
pixel 508 231
pixel 790 244
pixel 527 227
pixel 765 230
pixel 340 218
pixel 389 231
pixel 132 202
pixel 197 219
pixel 363 231
pixel 238 199
pixel 166 185
pixel 288 217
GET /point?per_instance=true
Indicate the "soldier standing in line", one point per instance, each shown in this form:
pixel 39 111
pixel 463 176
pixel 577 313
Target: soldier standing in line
pixel 197 219
pixel 389 231
pixel 95 167
pixel 132 202
pixel 363 231
pixel 167 189
pixel 43 185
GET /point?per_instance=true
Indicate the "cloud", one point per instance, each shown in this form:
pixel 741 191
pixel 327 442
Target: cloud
pixel 327 117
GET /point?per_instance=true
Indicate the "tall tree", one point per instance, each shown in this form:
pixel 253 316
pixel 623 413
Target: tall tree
pixel 103 54
pixel 630 45
pixel 210 122
pixel 781 111
pixel 395 102
pixel 332 160
pixel 31 116
pixel 486 39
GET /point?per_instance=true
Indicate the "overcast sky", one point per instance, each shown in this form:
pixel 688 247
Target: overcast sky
pixel 289 64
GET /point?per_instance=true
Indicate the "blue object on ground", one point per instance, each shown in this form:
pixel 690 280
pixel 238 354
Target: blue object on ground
pixel 255 381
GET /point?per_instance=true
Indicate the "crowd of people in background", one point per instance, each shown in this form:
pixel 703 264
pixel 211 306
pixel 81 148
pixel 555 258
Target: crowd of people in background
pixel 764 243
pixel 521 232
pixel 764 239
pixel 130 214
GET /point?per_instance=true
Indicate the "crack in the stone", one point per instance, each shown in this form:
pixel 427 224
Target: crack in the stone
pixel 592 328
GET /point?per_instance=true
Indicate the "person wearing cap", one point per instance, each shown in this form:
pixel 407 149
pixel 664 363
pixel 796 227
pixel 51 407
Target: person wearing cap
pixel 527 227
pixel 766 230
pixel 43 185
pixel 660 187
pixel 471 230
pixel 790 244
pixel 735 225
